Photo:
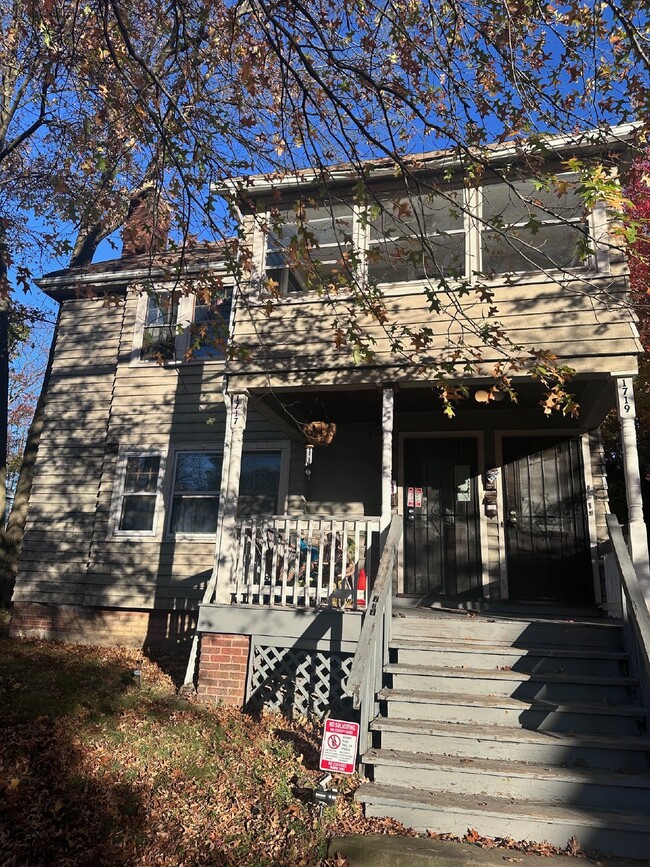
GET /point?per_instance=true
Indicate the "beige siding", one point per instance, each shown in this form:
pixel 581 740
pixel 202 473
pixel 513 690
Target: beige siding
pixel 62 506
pixel 587 323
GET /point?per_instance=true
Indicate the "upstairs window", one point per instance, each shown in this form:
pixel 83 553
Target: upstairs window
pixel 210 328
pixel 308 247
pixel 417 238
pixel 160 327
pixel 526 229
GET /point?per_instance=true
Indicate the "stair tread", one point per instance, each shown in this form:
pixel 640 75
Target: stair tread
pixel 465 646
pixel 510 733
pixel 509 768
pixel 501 807
pixel 507 702
pixel 507 674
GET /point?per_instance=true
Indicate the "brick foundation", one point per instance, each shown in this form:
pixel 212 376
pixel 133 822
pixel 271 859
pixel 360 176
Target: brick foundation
pixel 223 667
pixel 103 626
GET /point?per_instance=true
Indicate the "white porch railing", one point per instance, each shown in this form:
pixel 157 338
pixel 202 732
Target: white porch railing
pixel 628 602
pixel 366 673
pixel 289 560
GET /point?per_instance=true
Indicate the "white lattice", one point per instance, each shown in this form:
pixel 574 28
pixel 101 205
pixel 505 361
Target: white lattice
pixel 299 681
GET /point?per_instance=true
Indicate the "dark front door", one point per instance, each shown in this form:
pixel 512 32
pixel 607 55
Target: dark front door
pixel 547 540
pixel 441 528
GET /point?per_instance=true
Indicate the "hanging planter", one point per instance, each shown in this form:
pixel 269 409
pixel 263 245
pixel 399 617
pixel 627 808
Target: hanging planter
pixel 319 433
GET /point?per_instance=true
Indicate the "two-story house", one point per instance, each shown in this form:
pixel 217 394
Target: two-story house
pixel 264 462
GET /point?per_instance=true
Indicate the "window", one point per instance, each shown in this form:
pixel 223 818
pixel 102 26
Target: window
pixel 504 227
pixel 160 327
pixel 197 481
pixel 139 496
pixel 172 326
pixel 416 239
pixel 259 483
pixel 526 229
pixel 210 327
pixel 309 246
pixel 195 496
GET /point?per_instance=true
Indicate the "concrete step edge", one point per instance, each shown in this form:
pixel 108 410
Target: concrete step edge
pixel 498 807
pixel 506 674
pixel 510 734
pixel 506 702
pixel 502 768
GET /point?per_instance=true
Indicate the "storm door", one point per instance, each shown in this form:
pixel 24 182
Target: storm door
pixel 441 518
pixel 547 539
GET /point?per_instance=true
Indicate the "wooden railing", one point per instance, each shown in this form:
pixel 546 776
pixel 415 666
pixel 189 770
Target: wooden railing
pixel 631 604
pixel 365 678
pixel 287 560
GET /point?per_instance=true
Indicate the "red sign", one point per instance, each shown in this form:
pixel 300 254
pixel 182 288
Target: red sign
pixel 418 498
pixel 338 753
pixel 410 498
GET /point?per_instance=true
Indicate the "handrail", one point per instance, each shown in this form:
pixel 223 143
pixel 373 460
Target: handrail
pixel 635 608
pixel 364 680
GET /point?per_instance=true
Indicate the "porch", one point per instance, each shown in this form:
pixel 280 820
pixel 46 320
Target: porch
pixel 493 510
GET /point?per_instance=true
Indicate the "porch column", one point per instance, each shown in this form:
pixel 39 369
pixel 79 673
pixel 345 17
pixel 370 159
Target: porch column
pixel 638 542
pixel 236 412
pixel 386 456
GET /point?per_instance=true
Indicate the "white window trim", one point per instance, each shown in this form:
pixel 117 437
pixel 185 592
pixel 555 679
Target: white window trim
pixel 281 446
pixel 187 333
pixel 597 264
pixel 184 319
pixel 115 511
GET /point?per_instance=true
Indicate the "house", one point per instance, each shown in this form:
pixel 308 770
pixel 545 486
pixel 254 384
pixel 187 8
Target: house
pixel 357 525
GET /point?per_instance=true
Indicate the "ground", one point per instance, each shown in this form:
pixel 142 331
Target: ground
pixel 97 770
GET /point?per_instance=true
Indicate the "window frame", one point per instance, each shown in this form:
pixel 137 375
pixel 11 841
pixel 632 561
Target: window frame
pixel 185 319
pixel 591 263
pixel 283 447
pixel 595 222
pixel 119 492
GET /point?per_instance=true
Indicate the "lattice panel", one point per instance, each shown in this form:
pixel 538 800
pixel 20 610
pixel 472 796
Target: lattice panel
pixel 299 682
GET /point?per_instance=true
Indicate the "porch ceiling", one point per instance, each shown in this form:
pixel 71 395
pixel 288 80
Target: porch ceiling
pixel 294 408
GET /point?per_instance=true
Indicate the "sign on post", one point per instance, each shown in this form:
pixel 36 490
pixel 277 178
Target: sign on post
pixel 338 753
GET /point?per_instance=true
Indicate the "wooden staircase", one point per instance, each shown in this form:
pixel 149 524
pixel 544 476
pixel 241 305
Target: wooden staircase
pixel 531 729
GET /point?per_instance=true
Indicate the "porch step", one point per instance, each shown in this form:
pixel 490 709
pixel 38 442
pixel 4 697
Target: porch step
pixel 524 728
pixel 622 753
pixel 610 831
pixel 505 631
pixel 538 714
pixel 582 787
pixel 548 658
pixel 503 681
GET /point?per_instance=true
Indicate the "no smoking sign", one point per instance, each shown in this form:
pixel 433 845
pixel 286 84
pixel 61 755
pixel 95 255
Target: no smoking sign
pixel 338 753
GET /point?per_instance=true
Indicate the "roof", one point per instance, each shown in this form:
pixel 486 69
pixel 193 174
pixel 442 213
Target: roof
pixel 550 146
pixel 116 273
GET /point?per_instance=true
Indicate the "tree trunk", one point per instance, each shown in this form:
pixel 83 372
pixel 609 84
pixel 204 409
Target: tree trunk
pixel 13 534
pixel 4 394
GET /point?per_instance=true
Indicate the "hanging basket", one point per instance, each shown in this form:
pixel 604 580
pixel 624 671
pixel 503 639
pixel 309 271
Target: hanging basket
pixel 319 433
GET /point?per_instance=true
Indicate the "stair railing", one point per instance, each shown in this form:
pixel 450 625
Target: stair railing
pixel 366 672
pixel 633 607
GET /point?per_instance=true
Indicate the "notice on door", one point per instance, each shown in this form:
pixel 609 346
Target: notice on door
pixel 410 498
pixel 338 752
pixel 418 498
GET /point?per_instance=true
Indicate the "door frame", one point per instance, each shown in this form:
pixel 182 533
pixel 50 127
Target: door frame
pixel 478 436
pixel 590 516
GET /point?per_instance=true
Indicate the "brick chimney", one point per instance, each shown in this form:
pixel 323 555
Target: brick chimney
pixel 147 225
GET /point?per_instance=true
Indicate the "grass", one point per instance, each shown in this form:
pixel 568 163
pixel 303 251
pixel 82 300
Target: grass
pixel 96 771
